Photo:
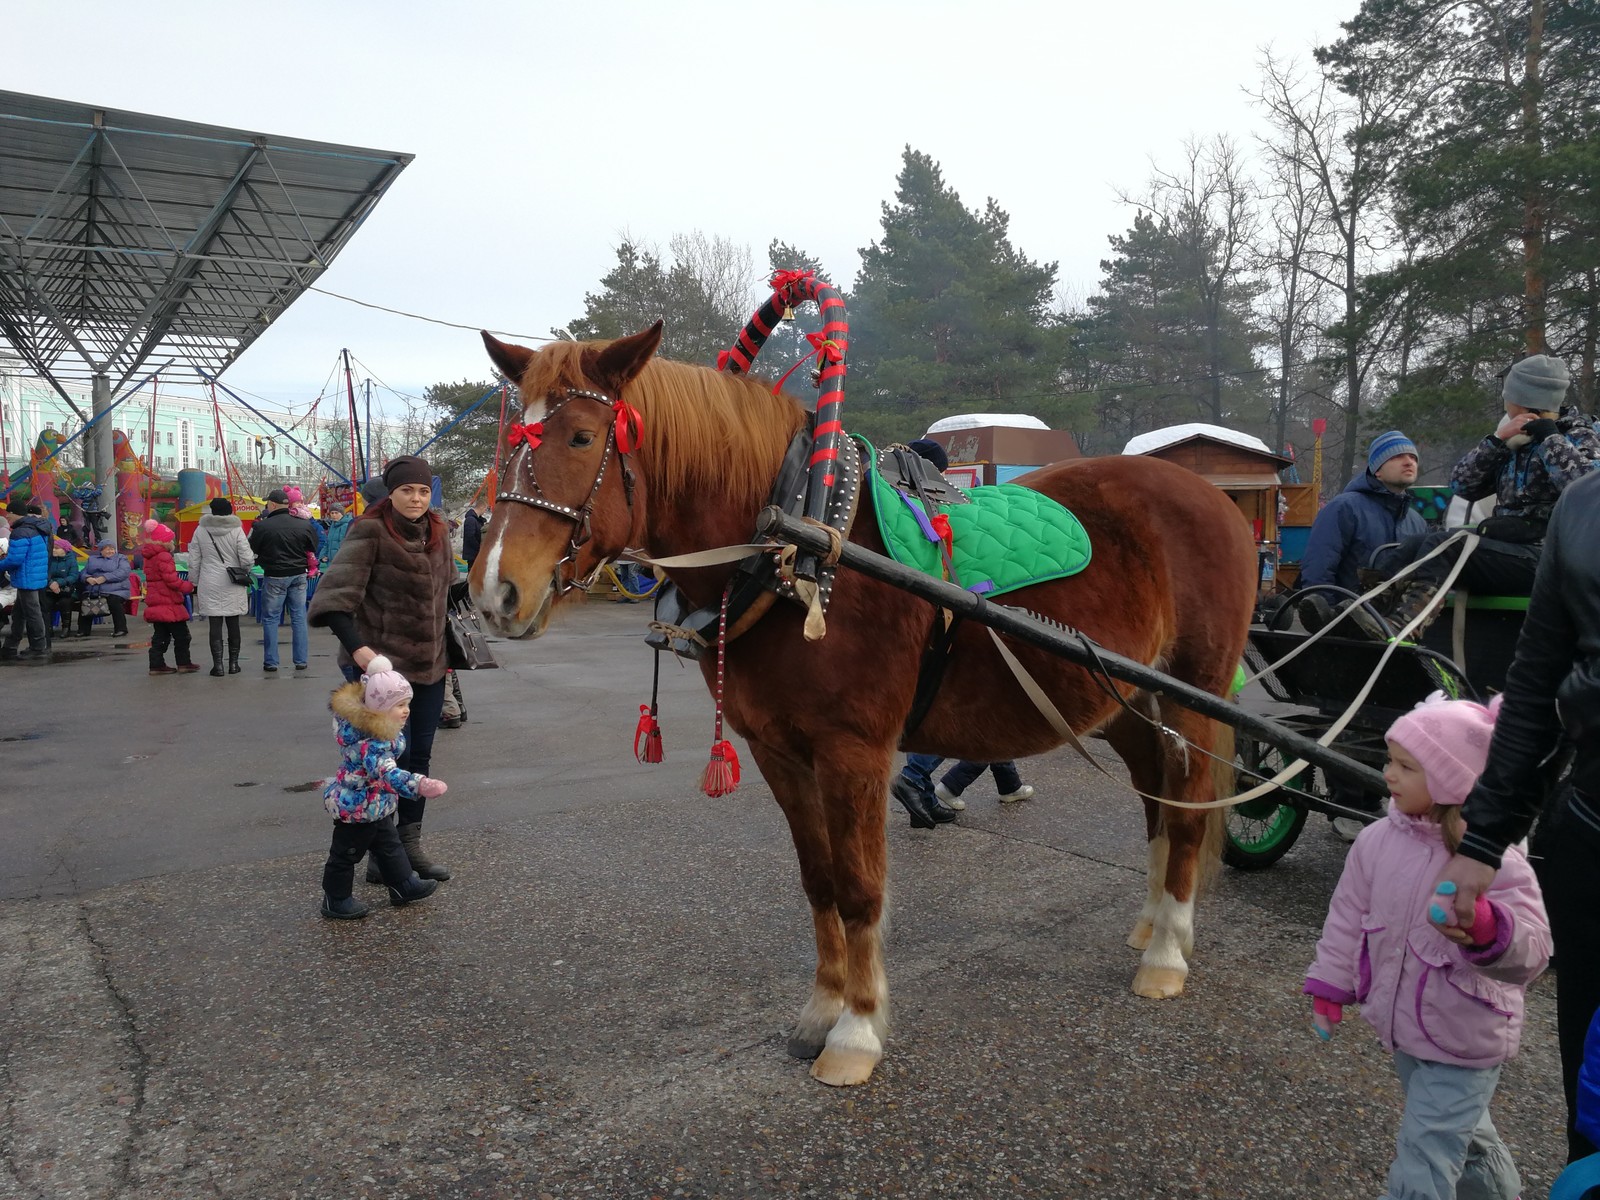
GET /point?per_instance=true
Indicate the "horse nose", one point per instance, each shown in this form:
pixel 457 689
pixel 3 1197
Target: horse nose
pixel 506 599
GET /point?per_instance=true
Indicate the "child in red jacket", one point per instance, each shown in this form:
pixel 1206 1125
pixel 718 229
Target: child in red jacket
pixel 163 601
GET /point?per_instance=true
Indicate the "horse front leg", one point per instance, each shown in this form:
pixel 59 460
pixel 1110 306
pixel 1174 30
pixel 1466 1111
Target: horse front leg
pixel 853 789
pixel 795 788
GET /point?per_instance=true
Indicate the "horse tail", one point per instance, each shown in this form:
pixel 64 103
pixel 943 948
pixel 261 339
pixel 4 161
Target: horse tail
pixel 1223 778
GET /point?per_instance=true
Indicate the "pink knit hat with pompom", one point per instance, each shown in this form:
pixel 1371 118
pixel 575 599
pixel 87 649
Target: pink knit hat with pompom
pixel 156 531
pixel 1450 741
pixel 382 687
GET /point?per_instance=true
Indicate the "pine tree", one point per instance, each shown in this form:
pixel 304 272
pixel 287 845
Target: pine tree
pixel 949 317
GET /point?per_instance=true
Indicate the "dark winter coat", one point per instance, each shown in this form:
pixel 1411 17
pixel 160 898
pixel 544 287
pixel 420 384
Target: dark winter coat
pixel 335 538
pixel 1351 526
pixel 471 536
pixel 104 561
pixel 27 560
pixel 163 590
pixel 1553 686
pixel 369 782
pixel 281 542
pixel 64 571
pixel 394 577
pixel 1526 481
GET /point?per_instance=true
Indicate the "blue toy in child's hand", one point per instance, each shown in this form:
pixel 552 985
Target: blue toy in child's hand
pixel 1437 914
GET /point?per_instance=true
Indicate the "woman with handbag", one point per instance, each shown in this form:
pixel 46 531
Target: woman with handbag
pixel 219 567
pixel 387 592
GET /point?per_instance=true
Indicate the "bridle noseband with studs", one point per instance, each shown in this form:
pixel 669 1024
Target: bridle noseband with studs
pixel 527 438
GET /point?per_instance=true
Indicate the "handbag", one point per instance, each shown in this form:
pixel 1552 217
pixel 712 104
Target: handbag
pixel 95 605
pixel 466 645
pixel 239 575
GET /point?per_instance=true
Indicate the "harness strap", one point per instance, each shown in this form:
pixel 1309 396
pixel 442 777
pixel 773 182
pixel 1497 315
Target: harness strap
pixel 1051 714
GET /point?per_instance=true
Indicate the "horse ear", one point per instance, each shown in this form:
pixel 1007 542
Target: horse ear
pixel 512 360
pixel 620 362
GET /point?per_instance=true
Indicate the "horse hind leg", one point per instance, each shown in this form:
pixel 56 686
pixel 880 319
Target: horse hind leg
pixel 1193 840
pixel 795 788
pixel 1138 744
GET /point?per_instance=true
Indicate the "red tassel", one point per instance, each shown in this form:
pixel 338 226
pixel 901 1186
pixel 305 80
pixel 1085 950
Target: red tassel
pixel 647 746
pixel 722 772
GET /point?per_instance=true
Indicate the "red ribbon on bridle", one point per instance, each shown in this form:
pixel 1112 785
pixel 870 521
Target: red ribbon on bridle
pixel 630 427
pixel 531 434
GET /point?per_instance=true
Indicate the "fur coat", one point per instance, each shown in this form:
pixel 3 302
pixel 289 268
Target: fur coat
pixel 369 782
pixel 396 587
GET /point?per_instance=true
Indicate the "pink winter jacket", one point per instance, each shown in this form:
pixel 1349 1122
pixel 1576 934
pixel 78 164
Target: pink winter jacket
pixel 1423 993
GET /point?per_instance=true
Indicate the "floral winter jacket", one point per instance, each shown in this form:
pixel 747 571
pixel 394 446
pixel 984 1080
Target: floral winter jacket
pixel 369 782
pixel 1423 993
pixel 163 590
pixel 1526 482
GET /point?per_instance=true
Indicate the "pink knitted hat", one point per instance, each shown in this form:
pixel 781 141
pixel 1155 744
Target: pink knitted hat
pixel 382 687
pixel 1450 741
pixel 156 531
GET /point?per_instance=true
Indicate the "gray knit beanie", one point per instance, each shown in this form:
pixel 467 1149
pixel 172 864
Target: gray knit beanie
pixel 1538 382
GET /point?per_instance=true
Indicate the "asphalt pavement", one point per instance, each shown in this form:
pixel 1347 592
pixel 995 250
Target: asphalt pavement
pixel 597 1003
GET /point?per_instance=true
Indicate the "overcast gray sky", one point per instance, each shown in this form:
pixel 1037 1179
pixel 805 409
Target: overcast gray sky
pixel 544 132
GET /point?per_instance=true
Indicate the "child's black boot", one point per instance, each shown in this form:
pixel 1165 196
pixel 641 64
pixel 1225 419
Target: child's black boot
pixel 413 889
pixel 346 909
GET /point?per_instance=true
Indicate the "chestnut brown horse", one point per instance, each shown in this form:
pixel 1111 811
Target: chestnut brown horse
pixel 1172 583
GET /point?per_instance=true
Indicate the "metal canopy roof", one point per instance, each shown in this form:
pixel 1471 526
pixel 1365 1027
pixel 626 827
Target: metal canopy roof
pixel 125 236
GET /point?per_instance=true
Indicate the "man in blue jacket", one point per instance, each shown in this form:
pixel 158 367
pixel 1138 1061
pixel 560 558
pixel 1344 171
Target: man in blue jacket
pixel 27 560
pixel 1372 511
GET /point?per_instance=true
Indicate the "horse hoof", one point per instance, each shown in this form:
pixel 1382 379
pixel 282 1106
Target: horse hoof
pixel 804 1048
pixel 844 1068
pixel 1158 983
pixel 1139 939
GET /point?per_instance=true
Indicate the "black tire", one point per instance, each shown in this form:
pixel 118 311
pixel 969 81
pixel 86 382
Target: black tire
pixel 1261 831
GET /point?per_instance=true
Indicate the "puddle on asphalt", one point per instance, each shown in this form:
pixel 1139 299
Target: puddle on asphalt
pixel 309 786
pixel 22 737
pixel 247 783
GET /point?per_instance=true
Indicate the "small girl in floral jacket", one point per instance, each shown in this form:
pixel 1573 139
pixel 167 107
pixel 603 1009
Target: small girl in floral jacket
pixel 368 719
pixel 1447 1004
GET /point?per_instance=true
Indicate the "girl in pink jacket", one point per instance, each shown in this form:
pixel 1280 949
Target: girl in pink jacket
pixel 1447 1004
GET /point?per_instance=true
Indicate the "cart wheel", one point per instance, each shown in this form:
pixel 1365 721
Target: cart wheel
pixel 1261 831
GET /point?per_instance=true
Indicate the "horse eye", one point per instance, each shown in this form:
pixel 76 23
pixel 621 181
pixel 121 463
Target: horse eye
pixel 581 439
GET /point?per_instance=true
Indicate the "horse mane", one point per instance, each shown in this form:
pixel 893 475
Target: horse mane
pixel 705 431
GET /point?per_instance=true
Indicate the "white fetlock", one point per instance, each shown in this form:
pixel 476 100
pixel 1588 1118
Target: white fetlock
pixel 852 1052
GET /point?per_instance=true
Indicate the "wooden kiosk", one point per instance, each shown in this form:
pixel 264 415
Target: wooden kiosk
pixel 1242 467
pixel 991 448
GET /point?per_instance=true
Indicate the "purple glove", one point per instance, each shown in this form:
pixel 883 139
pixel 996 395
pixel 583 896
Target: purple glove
pixel 432 787
pixel 1325 1014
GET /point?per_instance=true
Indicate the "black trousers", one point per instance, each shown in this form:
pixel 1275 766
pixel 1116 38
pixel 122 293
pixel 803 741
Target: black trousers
pixel 64 602
pixel 27 615
pixel 1495 569
pixel 119 618
pixel 1570 877
pixel 176 632
pixel 217 624
pixel 353 839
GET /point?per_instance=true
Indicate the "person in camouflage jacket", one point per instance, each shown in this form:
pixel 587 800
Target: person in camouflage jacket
pixel 1538 449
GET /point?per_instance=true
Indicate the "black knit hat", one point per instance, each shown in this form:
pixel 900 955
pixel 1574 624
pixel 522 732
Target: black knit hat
pixel 932 451
pixel 408 468
pixel 222 507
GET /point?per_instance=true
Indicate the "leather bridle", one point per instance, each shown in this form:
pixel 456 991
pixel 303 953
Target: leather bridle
pixel 528 438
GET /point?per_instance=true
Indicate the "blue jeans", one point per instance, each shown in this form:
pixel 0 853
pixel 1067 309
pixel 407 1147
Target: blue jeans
pixel 919 770
pixel 277 592
pixel 962 776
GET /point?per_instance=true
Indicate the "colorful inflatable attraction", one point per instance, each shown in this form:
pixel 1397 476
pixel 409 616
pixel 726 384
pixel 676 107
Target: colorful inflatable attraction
pixel 65 493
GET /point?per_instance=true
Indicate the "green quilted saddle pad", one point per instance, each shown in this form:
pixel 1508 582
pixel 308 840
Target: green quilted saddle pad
pixel 1008 538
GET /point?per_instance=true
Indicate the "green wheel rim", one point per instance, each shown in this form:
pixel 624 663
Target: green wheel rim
pixel 1256 831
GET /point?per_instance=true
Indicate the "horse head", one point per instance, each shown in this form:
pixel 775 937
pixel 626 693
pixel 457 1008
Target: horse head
pixel 568 499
